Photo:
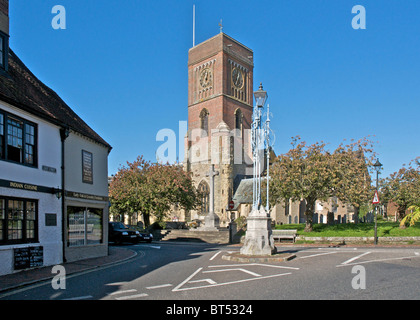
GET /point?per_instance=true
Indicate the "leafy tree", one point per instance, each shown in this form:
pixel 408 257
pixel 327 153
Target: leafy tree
pixel 352 182
pixel 412 218
pixel 151 189
pixel 403 187
pixel 303 173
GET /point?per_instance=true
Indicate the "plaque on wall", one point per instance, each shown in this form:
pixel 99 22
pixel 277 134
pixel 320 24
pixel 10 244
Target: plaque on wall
pixel 87 167
pixel 26 258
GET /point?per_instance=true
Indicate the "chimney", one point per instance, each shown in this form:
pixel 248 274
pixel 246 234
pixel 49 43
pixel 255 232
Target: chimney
pixel 4 16
pixel 4 34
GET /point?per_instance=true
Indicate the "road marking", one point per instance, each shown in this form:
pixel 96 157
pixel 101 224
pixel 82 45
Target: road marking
pixel 122 292
pixel 318 254
pixel 203 280
pixel 178 288
pixel 235 269
pixel 355 258
pixel 186 280
pixel 79 298
pixel 377 260
pixel 159 286
pixel 215 255
pixel 134 296
pixel 253 264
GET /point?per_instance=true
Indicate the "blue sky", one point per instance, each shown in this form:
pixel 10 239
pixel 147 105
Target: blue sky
pixel 122 66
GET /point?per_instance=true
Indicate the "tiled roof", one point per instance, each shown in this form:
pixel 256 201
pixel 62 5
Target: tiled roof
pixel 22 89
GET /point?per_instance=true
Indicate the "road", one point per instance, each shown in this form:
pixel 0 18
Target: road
pixel 196 271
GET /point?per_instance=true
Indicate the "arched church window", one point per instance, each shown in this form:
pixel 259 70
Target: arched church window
pixel 204 190
pixel 238 120
pixel 204 117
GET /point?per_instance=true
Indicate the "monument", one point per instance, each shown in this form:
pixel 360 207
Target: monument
pixel 259 240
pixel 212 220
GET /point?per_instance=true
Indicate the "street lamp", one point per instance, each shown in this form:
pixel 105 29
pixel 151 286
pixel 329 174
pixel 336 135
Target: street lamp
pixel 377 166
pixel 260 97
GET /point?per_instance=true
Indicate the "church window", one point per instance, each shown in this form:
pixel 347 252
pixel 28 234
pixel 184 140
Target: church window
pixel 238 120
pixel 204 117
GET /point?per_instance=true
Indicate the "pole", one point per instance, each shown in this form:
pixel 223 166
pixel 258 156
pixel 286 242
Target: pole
pixel 376 212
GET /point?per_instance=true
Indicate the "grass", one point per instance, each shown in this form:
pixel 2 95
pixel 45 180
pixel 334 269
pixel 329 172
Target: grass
pixel 385 229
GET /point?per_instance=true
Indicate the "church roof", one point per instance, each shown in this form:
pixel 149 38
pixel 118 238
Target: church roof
pixel 22 89
pixel 244 192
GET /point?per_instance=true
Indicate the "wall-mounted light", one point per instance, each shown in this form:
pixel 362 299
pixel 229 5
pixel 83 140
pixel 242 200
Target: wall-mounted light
pixel 57 193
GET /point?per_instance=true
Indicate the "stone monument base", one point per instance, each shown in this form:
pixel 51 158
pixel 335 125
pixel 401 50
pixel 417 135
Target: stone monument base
pixel 259 239
pixel 211 223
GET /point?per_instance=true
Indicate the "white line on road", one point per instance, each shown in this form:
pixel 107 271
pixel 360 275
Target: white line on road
pixel 215 255
pixel 134 296
pixel 377 260
pixel 79 298
pixel 122 292
pixel 204 280
pixel 178 288
pixel 318 254
pixel 159 286
pixel 355 258
pixel 186 280
pixel 235 269
pixel 253 264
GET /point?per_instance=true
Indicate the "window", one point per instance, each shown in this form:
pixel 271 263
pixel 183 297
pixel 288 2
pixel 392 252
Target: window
pixel 204 117
pixel 238 120
pixel 2 51
pixel 18 140
pixel 84 226
pixel 18 221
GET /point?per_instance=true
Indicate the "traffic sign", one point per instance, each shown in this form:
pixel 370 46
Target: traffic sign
pixel 376 198
pixel 231 205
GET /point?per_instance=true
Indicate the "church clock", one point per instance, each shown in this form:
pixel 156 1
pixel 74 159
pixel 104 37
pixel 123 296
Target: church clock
pixel 237 78
pixel 206 78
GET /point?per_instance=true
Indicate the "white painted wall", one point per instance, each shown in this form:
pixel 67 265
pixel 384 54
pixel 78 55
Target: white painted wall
pixel 74 145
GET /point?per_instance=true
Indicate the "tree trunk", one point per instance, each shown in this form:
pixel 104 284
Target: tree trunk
pixel 356 215
pixel 146 219
pixel 309 213
pixel 401 212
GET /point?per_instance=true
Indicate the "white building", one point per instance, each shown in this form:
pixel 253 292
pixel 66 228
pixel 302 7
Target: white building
pixel 53 172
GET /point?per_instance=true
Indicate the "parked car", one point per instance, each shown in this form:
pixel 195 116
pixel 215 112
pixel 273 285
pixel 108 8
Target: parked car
pixel 119 233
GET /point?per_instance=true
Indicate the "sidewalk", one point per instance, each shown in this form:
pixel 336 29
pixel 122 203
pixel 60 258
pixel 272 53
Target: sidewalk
pixel 19 279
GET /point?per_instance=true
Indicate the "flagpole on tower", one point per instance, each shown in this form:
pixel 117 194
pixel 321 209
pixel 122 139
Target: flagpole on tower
pixel 194 25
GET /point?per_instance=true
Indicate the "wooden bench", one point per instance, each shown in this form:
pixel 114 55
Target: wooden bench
pixel 284 235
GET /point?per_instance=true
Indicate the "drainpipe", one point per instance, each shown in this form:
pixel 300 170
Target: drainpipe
pixel 64 133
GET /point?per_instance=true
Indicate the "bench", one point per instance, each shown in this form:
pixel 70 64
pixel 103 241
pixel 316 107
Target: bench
pixel 284 234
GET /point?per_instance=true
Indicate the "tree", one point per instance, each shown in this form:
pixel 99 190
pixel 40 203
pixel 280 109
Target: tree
pixel 352 182
pixel 403 187
pixel 151 189
pixel 303 173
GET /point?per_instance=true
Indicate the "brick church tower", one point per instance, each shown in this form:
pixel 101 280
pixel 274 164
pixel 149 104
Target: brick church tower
pixel 220 105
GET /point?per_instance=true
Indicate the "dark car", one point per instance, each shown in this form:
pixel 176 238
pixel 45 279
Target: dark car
pixel 119 233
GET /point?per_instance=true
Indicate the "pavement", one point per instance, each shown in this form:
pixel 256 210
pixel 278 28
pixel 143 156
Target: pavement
pixel 27 277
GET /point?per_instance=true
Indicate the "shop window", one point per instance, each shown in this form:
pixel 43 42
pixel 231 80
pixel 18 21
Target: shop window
pixel 18 221
pixel 84 226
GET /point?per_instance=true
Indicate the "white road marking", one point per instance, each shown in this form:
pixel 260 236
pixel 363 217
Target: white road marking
pixel 186 280
pixel 204 280
pixel 355 258
pixel 134 296
pixel 79 298
pixel 159 286
pixel 316 255
pixel 178 288
pixel 253 264
pixel 377 260
pixel 235 269
pixel 122 292
pixel 215 255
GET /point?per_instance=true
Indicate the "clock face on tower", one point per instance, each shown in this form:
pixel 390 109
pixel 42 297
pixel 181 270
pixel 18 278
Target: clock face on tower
pixel 237 78
pixel 205 78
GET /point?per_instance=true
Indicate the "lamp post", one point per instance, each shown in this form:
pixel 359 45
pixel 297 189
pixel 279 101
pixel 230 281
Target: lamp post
pixel 377 167
pixel 259 239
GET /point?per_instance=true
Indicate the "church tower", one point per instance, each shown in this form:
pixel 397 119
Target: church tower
pixel 220 105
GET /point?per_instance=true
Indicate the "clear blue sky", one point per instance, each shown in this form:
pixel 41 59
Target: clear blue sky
pixel 122 66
